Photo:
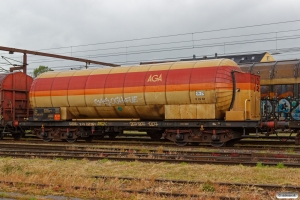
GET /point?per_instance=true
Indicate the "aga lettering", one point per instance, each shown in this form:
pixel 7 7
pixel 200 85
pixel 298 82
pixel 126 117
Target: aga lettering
pixel 155 78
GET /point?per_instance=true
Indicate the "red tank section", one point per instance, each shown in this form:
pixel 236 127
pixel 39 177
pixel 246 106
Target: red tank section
pixel 14 91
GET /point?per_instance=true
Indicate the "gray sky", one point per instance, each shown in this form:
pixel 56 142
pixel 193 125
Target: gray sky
pixel 63 27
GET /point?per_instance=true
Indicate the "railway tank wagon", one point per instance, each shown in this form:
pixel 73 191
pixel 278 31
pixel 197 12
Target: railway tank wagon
pixel 197 101
pixel 14 102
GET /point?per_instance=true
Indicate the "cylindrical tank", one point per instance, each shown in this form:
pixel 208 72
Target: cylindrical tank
pixel 146 91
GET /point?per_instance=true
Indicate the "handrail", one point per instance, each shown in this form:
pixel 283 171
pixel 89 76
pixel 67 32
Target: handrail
pixel 245 110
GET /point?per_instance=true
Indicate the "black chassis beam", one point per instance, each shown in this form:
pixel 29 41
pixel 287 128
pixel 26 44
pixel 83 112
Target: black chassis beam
pixel 145 124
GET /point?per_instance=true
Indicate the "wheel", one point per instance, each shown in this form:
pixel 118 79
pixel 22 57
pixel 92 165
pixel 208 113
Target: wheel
pixel 71 140
pixel 194 143
pixel 112 136
pixel 180 143
pixel 100 137
pixel 89 139
pixel 47 139
pixel 218 144
pixel 232 142
pixel 17 136
pixel 155 135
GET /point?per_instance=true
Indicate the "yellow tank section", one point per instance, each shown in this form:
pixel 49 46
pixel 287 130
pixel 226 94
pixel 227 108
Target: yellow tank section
pixel 247 98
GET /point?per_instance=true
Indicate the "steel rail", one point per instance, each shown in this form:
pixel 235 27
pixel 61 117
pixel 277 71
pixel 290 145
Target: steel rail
pixel 177 181
pixel 163 142
pixel 137 146
pixel 83 149
pixel 145 191
pixel 225 160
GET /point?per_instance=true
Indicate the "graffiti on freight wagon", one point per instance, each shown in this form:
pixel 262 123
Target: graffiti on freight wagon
pixel 115 101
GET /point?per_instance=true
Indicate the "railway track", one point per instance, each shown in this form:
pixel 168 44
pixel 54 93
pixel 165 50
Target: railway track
pixel 248 139
pixel 161 187
pixel 147 191
pixel 247 145
pixel 149 148
pixel 150 155
pixel 176 181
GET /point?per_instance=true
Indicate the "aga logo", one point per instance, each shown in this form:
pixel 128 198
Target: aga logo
pixel 154 78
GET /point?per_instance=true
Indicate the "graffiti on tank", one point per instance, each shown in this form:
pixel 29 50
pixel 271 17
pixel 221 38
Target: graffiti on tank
pixel 154 78
pixel 115 101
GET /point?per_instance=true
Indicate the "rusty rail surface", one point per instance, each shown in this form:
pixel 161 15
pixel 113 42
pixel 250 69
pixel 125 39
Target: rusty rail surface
pixel 135 145
pixel 145 191
pixel 197 157
pixel 177 181
pixel 231 151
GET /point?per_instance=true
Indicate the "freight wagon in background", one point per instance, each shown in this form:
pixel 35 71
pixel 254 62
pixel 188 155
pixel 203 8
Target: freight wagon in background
pixel 14 104
pixel 280 91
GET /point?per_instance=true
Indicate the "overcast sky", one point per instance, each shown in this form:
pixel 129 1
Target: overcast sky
pixel 64 27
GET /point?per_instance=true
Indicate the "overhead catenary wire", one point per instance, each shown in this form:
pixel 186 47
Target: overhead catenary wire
pixel 185 41
pixel 179 48
pixel 134 62
pixel 174 48
pixel 172 35
pixel 217 44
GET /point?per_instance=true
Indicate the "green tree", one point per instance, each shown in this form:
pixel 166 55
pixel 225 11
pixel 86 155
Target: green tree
pixel 41 69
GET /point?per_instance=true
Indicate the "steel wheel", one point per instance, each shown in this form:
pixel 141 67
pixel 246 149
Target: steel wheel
pixel 155 135
pixel 89 139
pixel 232 142
pixel 180 143
pixel 217 144
pixel 71 140
pixel 99 137
pixel 112 136
pixel 17 136
pixel 47 139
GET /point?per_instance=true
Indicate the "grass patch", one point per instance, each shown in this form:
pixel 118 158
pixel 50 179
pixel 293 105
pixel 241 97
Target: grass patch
pixel 160 150
pixel 208 187
pixel 11 168
pixel 291 150
pixel 259 165
pixel 3 195
pixel 183 163
pixel 280 165
pixel 104 160
pixel 67 173
pixel 58 159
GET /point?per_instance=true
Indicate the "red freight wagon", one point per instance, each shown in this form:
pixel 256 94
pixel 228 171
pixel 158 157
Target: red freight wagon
pixel 14 106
